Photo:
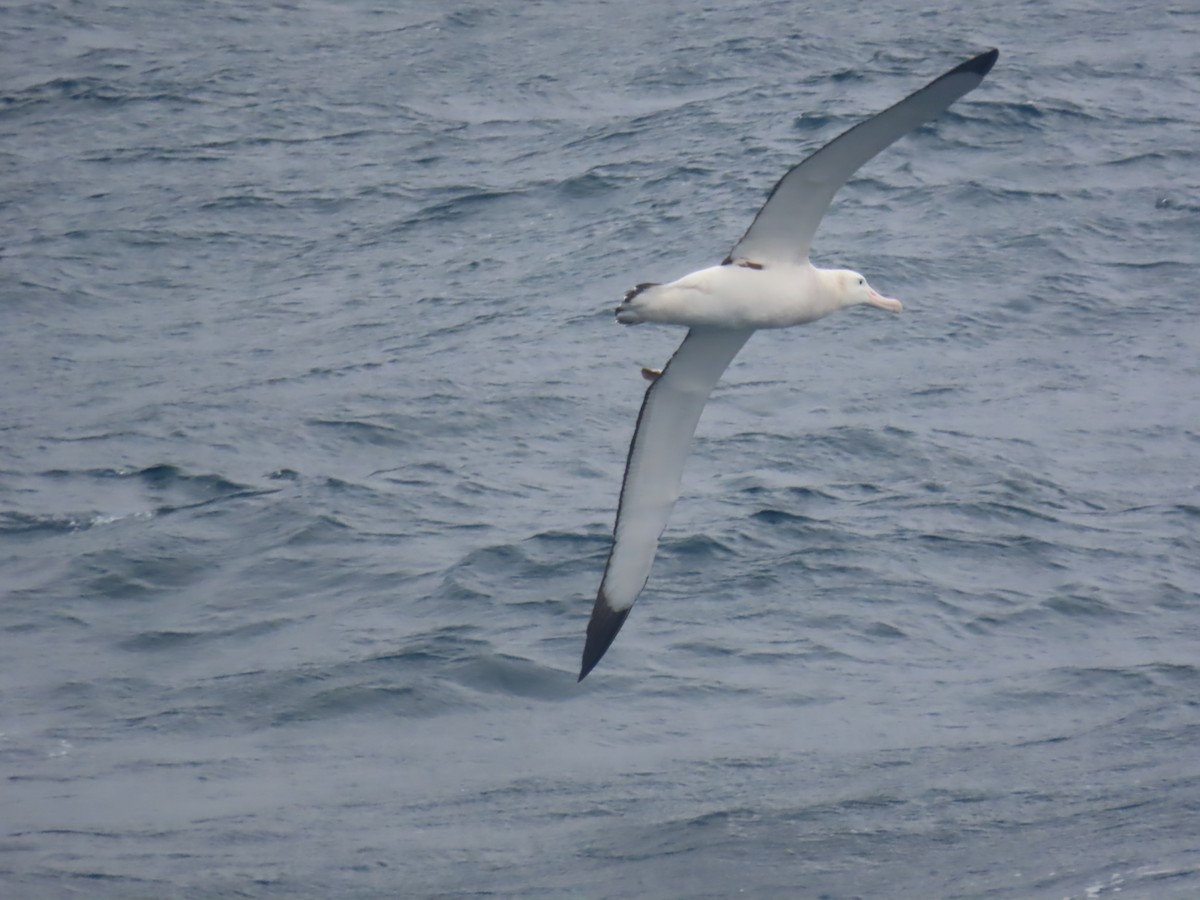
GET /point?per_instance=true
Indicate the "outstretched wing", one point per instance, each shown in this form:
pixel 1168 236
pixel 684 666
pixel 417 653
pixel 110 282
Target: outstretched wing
pixel 653 471
pixel 783 229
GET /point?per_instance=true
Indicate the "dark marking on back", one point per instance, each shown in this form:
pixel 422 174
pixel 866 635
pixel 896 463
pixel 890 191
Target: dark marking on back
pixel 744 263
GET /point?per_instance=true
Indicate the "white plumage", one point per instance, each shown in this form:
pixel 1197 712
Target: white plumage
pixel 766 281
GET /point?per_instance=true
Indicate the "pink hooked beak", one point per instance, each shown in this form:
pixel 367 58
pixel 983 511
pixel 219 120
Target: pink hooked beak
pixel 877 299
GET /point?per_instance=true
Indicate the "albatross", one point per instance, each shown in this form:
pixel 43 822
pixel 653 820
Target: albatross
pixel 766 281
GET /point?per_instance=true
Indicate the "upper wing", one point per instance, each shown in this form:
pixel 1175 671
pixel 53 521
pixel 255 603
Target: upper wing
pixel 653 471
pixel 783 229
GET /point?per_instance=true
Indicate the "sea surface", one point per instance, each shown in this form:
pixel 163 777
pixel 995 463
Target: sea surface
pixel 314 415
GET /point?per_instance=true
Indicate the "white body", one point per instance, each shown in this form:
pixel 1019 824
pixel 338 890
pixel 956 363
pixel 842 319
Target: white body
pixel 739 297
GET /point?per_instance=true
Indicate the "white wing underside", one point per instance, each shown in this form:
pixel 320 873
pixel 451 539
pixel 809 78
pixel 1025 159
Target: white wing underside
pixel 665 426
pixel 782 232
pixel 783 229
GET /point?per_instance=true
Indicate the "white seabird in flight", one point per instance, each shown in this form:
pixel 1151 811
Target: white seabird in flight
pixel 766 281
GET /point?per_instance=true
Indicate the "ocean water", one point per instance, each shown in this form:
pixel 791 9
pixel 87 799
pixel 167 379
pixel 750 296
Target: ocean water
pixel 314 417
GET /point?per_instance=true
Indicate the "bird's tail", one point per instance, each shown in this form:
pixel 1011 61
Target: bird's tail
pixel 627 312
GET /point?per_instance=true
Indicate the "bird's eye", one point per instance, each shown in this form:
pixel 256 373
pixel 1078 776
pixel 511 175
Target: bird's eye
pixel 862 281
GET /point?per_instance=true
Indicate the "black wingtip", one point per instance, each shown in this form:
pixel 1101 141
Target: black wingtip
pixel 601 631
pixel 981 64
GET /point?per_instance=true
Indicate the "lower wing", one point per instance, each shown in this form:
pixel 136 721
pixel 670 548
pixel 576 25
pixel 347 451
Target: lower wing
pixel 653 471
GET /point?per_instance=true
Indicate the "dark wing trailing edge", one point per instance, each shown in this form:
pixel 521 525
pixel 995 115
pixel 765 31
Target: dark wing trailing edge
pixel 783 229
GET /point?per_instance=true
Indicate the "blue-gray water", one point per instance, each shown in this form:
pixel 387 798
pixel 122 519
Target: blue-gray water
pixel 314 415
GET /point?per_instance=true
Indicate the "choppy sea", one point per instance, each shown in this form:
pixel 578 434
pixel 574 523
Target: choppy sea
pixel 314 415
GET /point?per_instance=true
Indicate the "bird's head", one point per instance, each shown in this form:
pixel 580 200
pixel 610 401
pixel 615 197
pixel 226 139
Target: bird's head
pixel 854 289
